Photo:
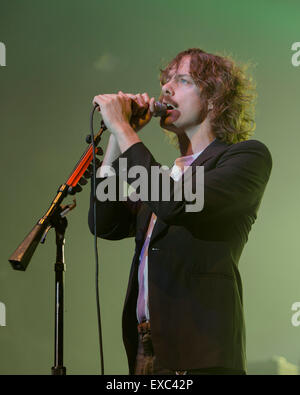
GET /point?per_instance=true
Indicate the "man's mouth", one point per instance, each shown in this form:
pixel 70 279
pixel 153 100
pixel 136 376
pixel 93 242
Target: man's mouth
pixel 170 106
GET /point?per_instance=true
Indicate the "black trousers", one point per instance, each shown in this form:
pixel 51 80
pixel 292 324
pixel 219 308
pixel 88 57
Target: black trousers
pixel 147 364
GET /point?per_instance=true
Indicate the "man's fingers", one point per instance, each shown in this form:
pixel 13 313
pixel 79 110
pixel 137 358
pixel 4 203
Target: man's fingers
pixel 95 102
pixel 130 95
pixel 149 101
pixel 98 100
pixel 145 97
pixel 142 100
pixel 151 104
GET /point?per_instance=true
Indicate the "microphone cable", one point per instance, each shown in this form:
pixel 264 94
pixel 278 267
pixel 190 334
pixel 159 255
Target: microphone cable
pixel 95 241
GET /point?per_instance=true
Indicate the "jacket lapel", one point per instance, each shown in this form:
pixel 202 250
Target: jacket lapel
pixel 213 149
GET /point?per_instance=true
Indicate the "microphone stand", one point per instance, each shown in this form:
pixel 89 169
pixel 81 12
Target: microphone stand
pixel 55 218
pixel 60 224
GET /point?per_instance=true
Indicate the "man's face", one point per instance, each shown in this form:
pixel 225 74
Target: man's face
pixel 181 91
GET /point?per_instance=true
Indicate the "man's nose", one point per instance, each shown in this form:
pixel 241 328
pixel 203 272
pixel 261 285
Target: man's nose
pixel 167 89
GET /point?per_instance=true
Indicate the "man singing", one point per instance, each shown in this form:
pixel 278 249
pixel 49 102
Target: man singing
pixel 183 312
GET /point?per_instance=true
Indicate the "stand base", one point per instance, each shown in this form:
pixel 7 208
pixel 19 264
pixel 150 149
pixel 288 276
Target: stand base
pixel 58 371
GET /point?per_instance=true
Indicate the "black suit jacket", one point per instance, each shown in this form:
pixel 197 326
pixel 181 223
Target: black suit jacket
pixel 195 289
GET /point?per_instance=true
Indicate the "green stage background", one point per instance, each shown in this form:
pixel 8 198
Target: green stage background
pixel 59 55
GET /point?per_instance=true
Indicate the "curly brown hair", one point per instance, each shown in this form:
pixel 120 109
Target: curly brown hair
pixel 228 87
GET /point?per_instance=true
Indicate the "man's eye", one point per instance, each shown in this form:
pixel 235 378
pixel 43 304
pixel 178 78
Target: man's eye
pixel 184 80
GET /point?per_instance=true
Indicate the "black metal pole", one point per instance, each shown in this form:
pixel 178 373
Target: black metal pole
pixel 59 369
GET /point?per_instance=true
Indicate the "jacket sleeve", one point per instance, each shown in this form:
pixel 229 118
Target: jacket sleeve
pixel 115 219
pixel 234 186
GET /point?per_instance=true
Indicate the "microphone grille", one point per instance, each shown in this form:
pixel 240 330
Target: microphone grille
pixel 159 109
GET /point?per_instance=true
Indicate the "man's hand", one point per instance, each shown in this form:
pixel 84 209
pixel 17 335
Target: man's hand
pixel 116 110
pixel 144 102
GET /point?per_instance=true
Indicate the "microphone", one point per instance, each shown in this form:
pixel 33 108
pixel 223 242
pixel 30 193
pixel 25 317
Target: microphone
pixel 160 109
